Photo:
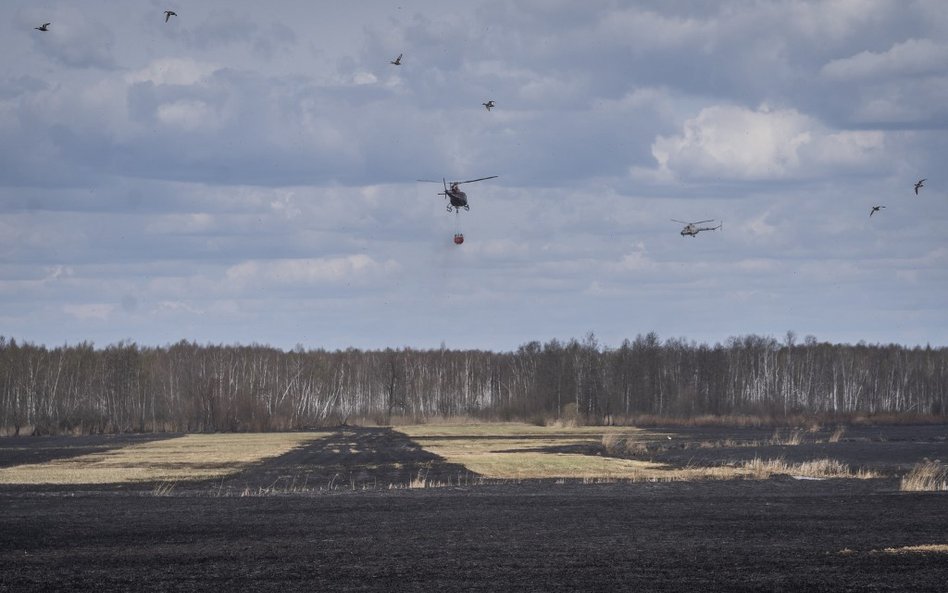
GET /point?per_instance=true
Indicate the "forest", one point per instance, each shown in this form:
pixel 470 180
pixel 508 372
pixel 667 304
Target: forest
pixel 186 387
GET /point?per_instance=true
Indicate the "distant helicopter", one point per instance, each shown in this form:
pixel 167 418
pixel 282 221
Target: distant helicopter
pixel 692 229
pixel 458 200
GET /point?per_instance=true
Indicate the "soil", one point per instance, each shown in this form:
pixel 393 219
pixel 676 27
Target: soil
pixel 774 535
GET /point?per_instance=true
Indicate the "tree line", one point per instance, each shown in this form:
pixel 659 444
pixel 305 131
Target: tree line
pixel 199 388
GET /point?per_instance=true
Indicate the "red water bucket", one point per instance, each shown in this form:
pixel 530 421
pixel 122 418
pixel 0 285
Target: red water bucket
pixel 458 239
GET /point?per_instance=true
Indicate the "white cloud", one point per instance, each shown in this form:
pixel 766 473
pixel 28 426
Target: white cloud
pixel 730 142
pixel 636 261
pixel 173 224
pixel 833 18
pixel 58 272
pixel 176 71
pixel 308 271
pixel 163 307
pixel 188 114
pixel 100 311
pixel 649 31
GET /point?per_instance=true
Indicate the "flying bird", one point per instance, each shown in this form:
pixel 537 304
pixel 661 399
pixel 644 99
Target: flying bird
pixel 874 210
pixel 919 185
pixel 45 27
pixel 397 61
pixel 489 105
pixel 169 14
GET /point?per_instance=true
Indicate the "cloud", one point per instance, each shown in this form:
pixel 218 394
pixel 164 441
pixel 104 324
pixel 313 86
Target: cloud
pixel 310 271
pixel 172 71
pixel 99 311
pixel 904 86
pixel 75 40
pixel 230 179
pixel 187 114
pixel 731 142
pixel 909 58
pixel 226 28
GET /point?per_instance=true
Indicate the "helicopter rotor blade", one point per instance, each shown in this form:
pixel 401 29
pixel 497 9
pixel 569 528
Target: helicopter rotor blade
pixel 679 221
pixel 703 221
pixel 427 180
pixel 473 180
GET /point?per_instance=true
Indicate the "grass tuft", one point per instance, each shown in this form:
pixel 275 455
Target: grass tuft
pixel 927 476
pixel 421 478
pixel 795 437
pixel 837 434
pixel 922 549
pixel 164 488
pixel 762 469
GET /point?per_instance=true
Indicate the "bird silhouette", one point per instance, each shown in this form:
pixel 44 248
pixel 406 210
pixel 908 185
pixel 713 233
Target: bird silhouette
pixel 44 27
pixel 397 61
pixel 920 184
pixel 169 14
pixel 489 105
pixel 874 210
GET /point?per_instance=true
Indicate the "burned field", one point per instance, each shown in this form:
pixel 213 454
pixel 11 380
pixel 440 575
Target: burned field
pixel 360 509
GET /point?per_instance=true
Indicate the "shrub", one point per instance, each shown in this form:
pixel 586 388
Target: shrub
pixel 571 416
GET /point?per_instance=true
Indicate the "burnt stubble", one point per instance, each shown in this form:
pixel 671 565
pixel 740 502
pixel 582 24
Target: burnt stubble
pixel 737 535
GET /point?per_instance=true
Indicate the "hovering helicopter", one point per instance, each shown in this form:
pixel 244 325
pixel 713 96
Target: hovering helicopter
pixel 692 229
pixel 458 198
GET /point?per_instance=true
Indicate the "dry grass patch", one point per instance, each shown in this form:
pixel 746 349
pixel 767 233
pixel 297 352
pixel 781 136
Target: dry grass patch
pixel 516 451
pixel 190 457
pixel 900 551
pixel 763 469
pixel 513 450
pixel 523 451
pixel 928 476
pixel 923 549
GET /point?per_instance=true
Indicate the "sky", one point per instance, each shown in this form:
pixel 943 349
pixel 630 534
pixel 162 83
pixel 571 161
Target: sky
pixel 238 175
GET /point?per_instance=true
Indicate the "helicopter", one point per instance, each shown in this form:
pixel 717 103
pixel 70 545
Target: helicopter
pixel 458 200
pixel 692 229
pixel 453 192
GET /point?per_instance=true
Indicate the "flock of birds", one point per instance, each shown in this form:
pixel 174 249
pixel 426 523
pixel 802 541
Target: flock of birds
pixel 454 193
pixel 168 15
pixel 398 62
pixel 490 104
pixel 918 185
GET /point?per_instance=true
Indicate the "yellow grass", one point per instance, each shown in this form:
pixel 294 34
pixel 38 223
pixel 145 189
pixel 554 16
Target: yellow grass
pixel 927 476
pixel 524 451
pixel 513 450
pixel 763 469
pixel 901 551
pixel 190 457
pixel 923 549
